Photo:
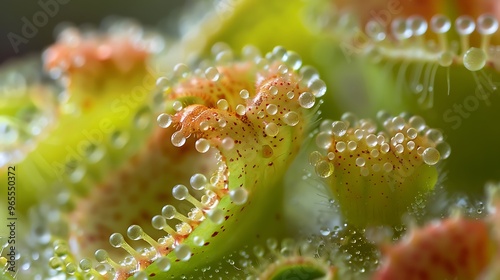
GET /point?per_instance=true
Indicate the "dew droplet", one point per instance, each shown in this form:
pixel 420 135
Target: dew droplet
pixel 399 148
pixel 324 231
pixel 375 30
pixel 158 222
pixel 162 83
pixel 412 133
pixel 55 263
pixel 307 100
pixel 371 140
pixel 291 118
pixel 222 104
pixel 417 25
pixel 349 118
pixel 222 122
pixel 134 232
pixel 163 264
pixel 228 143
pixel 282 69
pixel 399 137
pixel 360 162
pixel 352 145
pixel 116 240
pixel 314 158
pixel 440 24
pixel 388 167
pixel 244 94
pixel 434 135
pixel 178 139
pixel 308 73
pixel 339 128
pixel 443 149
pixel 169 212
pixel 364 171
pixel 324 140
pixel 101 255
pixel 293 60
pixel 430 156
pixel 399 29
pixel 258 251
pixel 224 57
pixel 180 192
pixel 384 148
pixel 143 118
pixel 324 168
pixel 411 145
pixel 465 25
pixel 272 109
pixel 445 59
pixel 239 195
pixel 487 24
pixel 202 145
pixel 279 52
pixel 340 146
pixel 181 70
pixel 240 109
pixel 85 265
pixel 317 87
pixel 177 105
pixel 417 122
pixel 398 123
pixel 250 52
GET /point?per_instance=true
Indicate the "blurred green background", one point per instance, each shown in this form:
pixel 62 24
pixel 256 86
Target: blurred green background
pixel 12 12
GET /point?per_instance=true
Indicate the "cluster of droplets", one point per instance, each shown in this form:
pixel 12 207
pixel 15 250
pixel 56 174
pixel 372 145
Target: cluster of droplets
pixel 405 141
pixel 204 208
pixel 27 109
pixel 353 248
pixel 385 171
